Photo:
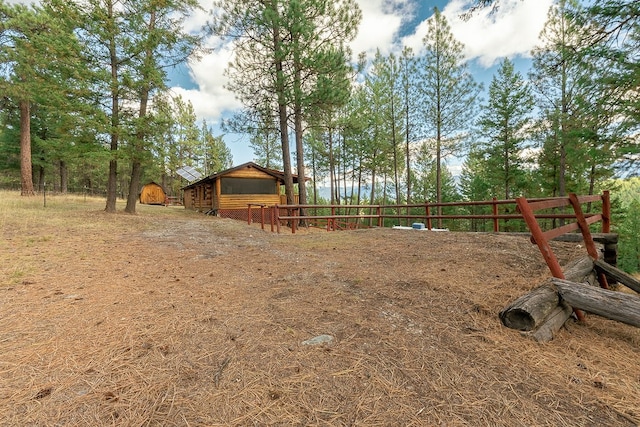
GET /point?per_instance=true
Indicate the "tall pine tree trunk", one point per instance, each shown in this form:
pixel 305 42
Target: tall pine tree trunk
pixel 408 148
pixel 134 185
pixel 26 168
pixel 112 183
pixel 373 190
pixel 64 177
pixel 282 114
pixel 315 177
pixel 438 144
pixel 332 170
pixel 439 169
pixel 394 138
pixel 136 165
pixel 297 119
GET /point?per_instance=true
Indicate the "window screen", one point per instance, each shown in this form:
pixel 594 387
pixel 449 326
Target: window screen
pixel 247 186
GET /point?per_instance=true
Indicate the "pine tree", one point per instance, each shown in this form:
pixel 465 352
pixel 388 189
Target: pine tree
pixel 319 31
pixel 503 123
pixel 410 107
pixel 611 42
pixel 39 51
pixel 449 94
pixel 629 247
pixel 558 78
pixel 160 43
pixel 286 54
pixel 384 96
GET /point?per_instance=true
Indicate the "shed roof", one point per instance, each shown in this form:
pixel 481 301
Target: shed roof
pixel 274 173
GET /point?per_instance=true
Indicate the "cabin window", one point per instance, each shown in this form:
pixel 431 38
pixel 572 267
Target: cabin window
pixel 247 186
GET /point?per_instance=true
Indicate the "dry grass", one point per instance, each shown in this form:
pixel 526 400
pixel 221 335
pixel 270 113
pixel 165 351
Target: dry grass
pixel 173 318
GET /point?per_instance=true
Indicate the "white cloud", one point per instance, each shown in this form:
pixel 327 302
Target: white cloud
pixel 381 22
pixel 210 99
pixel 198 18
pixel 511 30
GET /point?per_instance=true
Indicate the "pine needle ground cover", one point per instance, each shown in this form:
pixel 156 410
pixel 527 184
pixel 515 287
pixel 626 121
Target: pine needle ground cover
pixel 173 318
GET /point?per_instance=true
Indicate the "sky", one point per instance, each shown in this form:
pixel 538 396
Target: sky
pixel 511 30
pixel 388 25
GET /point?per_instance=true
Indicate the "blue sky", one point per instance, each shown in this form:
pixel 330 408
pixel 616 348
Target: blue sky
pixel 389 25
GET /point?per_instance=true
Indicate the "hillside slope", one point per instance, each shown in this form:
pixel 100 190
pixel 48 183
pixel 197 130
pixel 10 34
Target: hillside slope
pixel 188 320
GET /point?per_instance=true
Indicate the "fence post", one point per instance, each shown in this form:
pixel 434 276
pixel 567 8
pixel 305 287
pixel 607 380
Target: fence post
pixel 427 211
pixel 262 216
pixel 586 236
pixel 293 221
pixel 331 221
pixel 276 212
pixel 379 216
pixel 538 236
pixel 606 212
pixel 494 207
pixel 543 245
pixel 273 214
pixel 249 214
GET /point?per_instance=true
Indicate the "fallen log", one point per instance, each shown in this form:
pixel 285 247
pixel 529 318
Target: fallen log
pixel 604 238
pixel 530 310
pixel 552 323
pixel 618 275
pixel 603 302
pixel 527 312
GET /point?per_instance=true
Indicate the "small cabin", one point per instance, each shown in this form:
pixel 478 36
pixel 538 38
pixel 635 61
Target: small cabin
pixel 228 193
pixel 153 194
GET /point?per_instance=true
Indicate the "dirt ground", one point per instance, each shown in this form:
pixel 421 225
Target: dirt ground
pixel 173 318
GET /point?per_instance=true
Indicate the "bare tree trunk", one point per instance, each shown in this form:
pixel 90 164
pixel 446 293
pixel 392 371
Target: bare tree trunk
pixel 332 171
pixel 112 183
pixel 315 177
pixel 408 148
pixel 394 139
pixel 26 168
pixel 282 115
pixel 134 185
pixel 297 124
pixel 40 180
pixel 64 177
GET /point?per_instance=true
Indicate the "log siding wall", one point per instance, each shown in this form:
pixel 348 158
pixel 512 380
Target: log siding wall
pixel 206 195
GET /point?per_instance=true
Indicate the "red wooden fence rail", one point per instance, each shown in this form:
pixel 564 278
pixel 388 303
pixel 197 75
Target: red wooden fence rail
pixel 580 221
pixel 293 216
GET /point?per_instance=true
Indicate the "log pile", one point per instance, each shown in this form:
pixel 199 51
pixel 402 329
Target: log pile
pixel 603 302
pixel 542 312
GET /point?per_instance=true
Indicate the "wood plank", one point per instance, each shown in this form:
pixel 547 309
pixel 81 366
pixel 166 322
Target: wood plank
pixel 605 238
pixel 548 204
pixel 618 306
pixel 551 234
pixel 590 198
pixel 538 236
pixel 586 233
pixel 593 218
pixel 240 201
pixel 618 275
pixel 249 173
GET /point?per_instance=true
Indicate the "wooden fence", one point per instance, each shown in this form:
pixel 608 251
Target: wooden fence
pixel 334 217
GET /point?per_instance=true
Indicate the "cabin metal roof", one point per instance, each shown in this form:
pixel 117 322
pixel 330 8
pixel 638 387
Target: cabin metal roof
pixel 279 175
